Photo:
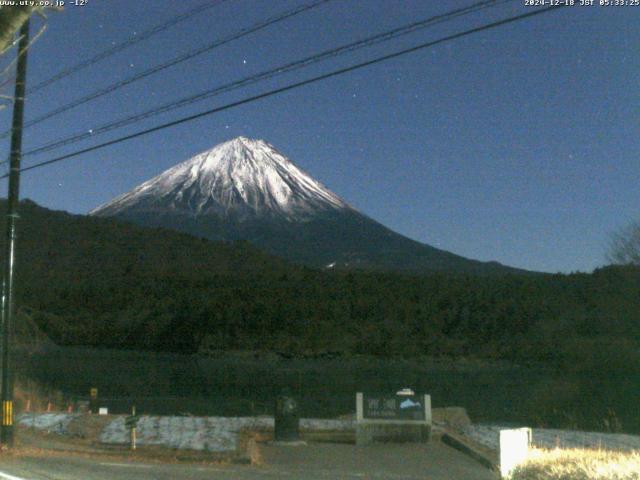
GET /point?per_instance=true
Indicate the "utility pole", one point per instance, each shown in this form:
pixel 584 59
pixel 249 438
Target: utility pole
pixel 8 307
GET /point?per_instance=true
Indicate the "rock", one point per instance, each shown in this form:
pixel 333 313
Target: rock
pixel 453 417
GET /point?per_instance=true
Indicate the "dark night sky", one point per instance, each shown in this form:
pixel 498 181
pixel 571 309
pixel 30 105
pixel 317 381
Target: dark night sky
pixel 518 144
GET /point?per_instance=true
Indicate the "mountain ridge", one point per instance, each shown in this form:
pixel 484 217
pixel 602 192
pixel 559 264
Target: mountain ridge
pixel 245 189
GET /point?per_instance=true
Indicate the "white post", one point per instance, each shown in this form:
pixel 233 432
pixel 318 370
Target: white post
pixel 133 430
pixel 359 407
pixel 514 449
pixel 427 409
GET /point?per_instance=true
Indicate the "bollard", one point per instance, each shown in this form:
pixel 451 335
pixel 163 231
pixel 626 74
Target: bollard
pixel 286 419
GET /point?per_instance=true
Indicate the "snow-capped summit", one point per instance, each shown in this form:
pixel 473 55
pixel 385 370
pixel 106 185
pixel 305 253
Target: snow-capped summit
pixel 241 178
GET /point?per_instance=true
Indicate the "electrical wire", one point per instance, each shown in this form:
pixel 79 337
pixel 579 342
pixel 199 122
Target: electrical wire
pixel 124 45
pixel 182 58
pixel 265 75
pixel 293 86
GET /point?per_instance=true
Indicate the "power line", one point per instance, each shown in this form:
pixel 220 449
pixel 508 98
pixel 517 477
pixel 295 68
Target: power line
pixel 124 45
pixel 182 58
pixel 265 75
pixel 293 86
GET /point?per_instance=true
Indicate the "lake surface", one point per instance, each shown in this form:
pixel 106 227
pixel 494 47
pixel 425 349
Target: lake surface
pixel 242 384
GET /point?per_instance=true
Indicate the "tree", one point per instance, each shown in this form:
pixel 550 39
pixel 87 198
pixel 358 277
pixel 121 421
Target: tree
pixel 624 247
pixel 11 19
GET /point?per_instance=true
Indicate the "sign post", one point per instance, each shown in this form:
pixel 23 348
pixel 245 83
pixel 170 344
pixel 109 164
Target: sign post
pixel 131 423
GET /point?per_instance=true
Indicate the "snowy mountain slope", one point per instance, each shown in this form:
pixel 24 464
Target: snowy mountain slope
pixel 246 190
pixel 241 178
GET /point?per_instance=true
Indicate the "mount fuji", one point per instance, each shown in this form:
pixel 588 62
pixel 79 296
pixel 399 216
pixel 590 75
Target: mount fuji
pixel 244 189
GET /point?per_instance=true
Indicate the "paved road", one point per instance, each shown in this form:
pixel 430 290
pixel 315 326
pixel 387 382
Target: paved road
pixel 313 462
pixel 433 461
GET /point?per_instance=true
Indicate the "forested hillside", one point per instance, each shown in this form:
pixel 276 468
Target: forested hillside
pixel 95 281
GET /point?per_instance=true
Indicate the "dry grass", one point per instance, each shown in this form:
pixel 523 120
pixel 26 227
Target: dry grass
pixel 579 464
pixel 33 397
pixel 248 440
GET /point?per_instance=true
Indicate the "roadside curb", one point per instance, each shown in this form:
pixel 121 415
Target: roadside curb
pixel 53 444
pixel 486 457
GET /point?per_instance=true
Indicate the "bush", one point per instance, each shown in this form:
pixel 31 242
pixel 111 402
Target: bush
pixel 577 464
